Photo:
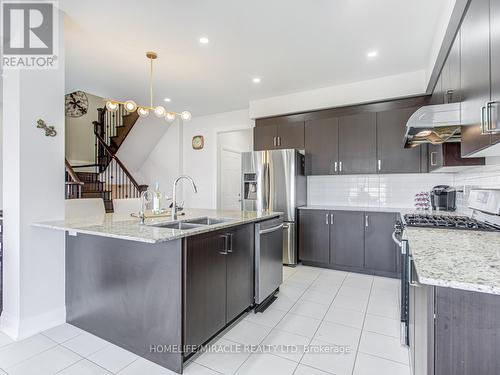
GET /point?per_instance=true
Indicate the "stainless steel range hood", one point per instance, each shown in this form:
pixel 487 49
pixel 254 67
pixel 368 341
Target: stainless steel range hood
pixel 434 124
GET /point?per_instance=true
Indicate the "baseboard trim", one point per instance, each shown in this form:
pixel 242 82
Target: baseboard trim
pixel 19 329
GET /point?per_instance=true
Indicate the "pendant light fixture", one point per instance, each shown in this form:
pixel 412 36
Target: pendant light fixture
pixel 142 110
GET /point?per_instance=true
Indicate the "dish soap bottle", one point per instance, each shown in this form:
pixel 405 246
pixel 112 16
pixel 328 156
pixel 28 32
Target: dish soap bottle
pixel 157 199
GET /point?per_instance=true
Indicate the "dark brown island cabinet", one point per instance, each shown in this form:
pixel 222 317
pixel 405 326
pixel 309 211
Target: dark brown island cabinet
pixel 273 136
pixel 453 332
pixel 349 240
pixel 219 281
pixel 176 294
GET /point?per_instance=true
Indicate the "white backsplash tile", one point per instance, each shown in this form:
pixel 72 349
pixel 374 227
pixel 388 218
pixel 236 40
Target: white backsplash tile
pixel 390 190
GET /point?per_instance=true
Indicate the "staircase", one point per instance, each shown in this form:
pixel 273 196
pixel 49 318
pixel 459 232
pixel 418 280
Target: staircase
pixel 107 178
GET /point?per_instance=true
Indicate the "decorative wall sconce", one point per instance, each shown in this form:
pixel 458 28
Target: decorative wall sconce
pixel 50 131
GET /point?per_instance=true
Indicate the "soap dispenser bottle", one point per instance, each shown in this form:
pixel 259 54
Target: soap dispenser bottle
pixel 157 199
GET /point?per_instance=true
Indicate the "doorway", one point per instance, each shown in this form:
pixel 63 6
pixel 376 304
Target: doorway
pixel 231 146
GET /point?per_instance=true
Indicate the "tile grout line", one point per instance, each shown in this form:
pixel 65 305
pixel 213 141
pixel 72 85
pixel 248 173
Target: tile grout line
pixel 322 320
pixel 297 363
pixel 362 328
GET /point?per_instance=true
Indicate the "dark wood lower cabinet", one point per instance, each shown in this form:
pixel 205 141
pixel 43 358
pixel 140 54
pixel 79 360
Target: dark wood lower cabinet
pixel 314 235
pixel 349 240
pixel 205 300
pixel 381 252
pixel 219 281
pixel 454 332
pixel 239 271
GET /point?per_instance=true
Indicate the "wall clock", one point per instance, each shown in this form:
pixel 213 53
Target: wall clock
pixel 198 142
pixel 77 104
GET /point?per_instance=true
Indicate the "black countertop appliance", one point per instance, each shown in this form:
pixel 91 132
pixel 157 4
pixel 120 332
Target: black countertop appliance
pixel 443 198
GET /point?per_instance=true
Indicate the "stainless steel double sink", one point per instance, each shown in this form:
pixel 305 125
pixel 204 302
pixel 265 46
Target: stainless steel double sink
pixel 191 223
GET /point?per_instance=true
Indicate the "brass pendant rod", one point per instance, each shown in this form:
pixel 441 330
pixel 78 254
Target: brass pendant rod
pixel 151 82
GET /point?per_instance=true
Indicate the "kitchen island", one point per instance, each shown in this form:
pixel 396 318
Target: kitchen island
pixel 164 288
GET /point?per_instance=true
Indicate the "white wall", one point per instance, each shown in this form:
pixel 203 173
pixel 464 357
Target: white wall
pixel 80 138
pixel 202 164
pixel 395 86
pixel 163 164
pixel 1 153
pixel 239 141
pixel 174 155
pixel 33 175
pixel 141 140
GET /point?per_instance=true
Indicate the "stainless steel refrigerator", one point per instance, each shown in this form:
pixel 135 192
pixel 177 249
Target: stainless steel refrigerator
pixel 275 181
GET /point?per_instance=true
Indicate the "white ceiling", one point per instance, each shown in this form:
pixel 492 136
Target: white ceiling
pixel 292 45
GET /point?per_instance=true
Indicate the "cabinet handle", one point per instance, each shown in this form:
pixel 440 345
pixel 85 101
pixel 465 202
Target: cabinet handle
pixel 229 243
pixel 332 220
pixel 279 141
pixel 274 141
pixel 340 166
pixel 483 122
pixel 379 165
pixel 225 239
pixel 448 96
pixel 489 126
pixel 433 158
pixel 327 223
pixel 335 167
pixel 366 221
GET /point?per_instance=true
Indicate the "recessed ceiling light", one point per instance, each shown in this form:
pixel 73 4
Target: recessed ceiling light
pixel 256 80
pixel 204 40
pixel 372 54
pixel 168 100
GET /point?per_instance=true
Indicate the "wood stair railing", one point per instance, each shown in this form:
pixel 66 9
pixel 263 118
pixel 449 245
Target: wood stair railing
pixel 107 178
pixel 73 182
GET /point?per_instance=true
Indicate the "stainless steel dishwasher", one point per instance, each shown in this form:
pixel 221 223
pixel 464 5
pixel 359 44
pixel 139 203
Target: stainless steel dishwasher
pixel 268 261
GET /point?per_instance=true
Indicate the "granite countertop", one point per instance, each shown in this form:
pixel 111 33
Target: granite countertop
pixel 357 208
pixel 128 228
pixel 460 259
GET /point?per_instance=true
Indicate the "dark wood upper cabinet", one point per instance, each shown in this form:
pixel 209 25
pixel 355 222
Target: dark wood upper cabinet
pixel 322 146
pixel 448 157
pixel 291 135
pixel 280 136
pixel 451 74
pixel 438 95
pixel 380 249
pixel 314 236
pixel 347 239
pixel 391 156
pixel 475 74
pixel 495 62
pixel 358 143
pixel 264 137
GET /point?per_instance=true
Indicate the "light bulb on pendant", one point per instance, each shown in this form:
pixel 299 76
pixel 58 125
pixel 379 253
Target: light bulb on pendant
pixel 143 112
pixel 160 111
pixel 170 116
pixel 186 116
pixel 111 106
pixel 130 106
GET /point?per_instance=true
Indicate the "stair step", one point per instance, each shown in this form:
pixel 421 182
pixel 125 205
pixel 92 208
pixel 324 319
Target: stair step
pixel 105 195
pixel 93 187
pixel 88 176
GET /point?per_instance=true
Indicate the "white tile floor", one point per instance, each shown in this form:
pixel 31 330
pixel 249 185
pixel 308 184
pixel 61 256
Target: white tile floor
pixel 316 308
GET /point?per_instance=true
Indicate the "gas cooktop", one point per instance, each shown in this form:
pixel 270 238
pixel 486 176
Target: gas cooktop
pixel 446 222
